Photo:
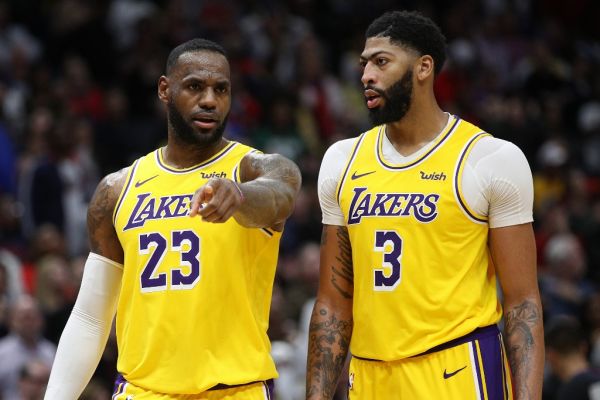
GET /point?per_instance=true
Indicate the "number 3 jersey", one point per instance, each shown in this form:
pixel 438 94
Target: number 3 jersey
pixel 422 275
pixel 194 304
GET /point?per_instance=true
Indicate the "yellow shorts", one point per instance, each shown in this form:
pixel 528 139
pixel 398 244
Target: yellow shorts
pixel 473 367
pixel 253 391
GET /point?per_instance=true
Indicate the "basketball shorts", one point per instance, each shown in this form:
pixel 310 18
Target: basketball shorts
pixel 253 391
pixel 473 367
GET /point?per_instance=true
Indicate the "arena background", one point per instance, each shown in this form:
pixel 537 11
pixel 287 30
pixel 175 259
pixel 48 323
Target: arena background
pixel 78 100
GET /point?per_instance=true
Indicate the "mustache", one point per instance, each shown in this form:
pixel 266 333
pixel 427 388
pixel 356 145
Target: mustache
pixel 380 92
pixel 206 114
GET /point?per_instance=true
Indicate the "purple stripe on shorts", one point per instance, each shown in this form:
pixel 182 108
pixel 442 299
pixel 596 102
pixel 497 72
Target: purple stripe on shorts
pixel 270 385
pixel 505 377
pixel 119 385
pixel 477 368
pixel 491 356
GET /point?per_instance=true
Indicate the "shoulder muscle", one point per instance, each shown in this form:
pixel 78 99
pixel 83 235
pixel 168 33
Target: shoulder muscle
pixel 102 235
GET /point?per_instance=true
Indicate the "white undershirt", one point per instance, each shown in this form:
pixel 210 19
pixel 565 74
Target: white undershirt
pixel 496 180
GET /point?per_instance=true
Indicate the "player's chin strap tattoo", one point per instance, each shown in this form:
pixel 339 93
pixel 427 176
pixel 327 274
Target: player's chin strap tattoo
pixel 329 339
pixel 521 324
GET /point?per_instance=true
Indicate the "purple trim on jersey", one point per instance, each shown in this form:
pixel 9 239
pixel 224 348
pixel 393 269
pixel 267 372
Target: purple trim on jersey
pixel 268 232
pixel 360 139
pixel 236 177
pixel 205 164
pixel 462 158
pixel 133 168
pixel 423 157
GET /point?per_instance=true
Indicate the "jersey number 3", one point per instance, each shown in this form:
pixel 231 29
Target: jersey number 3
pixel 390 244
pixel 187 244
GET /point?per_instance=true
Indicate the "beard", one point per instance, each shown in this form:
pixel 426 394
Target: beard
pixel 398 98
pixel 186 132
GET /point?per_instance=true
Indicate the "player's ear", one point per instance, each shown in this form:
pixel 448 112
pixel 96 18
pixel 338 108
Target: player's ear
pixel 424 67
pixel 163 89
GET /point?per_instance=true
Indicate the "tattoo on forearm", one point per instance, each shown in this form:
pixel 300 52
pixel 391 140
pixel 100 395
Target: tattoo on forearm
pixel 345 259
pixel 519 324
pixel 329 339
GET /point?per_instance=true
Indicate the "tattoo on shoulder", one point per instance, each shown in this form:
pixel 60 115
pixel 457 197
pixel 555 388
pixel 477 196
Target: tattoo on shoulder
pixel 102 205
pixel 344 271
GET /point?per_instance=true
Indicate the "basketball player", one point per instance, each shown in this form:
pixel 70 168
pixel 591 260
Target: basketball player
pixel 421 214
pixel 183 246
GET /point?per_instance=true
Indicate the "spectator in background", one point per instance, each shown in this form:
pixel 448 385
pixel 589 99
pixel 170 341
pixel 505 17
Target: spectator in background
pixel 23 345
pixel 563 284
pixel 320 95
pixel 550 181
pixel 55 292
pixel 33 380
pixel 62 183
pixel 279 134
pixel 13 275
pixel 566 354
pixel 3 301
pixel 15 38
pixel 8 159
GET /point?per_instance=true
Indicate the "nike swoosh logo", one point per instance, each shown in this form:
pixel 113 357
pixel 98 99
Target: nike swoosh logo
pixel 140 183
pixel 356 176
pixel 451 374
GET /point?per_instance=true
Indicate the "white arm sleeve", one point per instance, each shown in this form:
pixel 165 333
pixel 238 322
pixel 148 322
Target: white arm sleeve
pixel 497 182
pixel 331 171
pixel 86 332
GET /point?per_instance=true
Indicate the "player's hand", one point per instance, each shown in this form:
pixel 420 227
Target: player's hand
pixel 217 200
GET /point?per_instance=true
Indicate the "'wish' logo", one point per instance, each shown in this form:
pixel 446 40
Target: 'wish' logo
pixel 434 176
pixel 213 175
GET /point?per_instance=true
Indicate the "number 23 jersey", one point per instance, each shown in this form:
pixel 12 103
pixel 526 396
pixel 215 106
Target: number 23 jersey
pixel 194 304
pixel 422 274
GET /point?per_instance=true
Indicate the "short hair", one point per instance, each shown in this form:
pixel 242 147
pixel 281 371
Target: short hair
pixel 565 335
pixel 413 30
pixel 192 45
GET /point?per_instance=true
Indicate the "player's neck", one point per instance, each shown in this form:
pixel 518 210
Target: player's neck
pixel 418 127
pixel 183 155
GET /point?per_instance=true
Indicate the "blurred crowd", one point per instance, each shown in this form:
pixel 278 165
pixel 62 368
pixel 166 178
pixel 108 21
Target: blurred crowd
pixel 78 100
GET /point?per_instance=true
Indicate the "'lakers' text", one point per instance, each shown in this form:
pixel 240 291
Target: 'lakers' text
pixel 422 207
pixel 149 208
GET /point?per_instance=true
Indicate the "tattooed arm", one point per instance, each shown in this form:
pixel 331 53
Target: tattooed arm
pixel 86 332
pixel 331 322
pixel 264 199
pixel 101 232
pixel 513 254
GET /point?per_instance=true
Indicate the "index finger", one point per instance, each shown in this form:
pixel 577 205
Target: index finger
pixel 202 195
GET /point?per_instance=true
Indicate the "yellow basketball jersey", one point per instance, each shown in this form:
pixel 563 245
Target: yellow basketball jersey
pixel 194 305
pixel 421 270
